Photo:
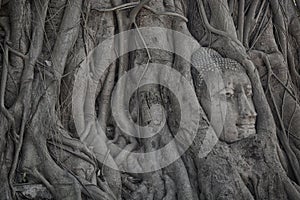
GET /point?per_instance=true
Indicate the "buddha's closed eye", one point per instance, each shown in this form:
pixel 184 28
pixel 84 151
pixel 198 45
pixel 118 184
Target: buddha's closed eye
pixel 226 92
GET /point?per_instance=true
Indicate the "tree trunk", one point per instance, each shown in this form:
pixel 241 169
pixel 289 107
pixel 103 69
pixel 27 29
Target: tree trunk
pixel 113 99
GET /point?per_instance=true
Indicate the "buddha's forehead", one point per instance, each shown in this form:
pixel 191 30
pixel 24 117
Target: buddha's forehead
pixel 236 78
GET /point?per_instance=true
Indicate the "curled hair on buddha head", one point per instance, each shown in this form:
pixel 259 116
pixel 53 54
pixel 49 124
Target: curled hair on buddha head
pixel 206 60
pixel 208 67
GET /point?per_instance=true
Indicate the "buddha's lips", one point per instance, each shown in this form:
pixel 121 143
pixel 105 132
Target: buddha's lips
pixel 246 125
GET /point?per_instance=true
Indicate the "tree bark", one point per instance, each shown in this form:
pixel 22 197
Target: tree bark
pixel 58 132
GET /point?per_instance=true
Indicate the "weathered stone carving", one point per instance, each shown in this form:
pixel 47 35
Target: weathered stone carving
pixel 235 93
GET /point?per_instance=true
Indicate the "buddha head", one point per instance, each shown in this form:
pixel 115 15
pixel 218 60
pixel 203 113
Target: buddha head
pixel 235 93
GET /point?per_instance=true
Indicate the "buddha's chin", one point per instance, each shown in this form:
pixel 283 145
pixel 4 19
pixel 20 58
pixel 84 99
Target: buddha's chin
pixel 246 131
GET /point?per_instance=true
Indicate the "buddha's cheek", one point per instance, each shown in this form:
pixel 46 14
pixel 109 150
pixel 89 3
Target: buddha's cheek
pixel 230 132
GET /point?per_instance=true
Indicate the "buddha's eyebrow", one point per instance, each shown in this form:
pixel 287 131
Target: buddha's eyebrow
pixel 229 87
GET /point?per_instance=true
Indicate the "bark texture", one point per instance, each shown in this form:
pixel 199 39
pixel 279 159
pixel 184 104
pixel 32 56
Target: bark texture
pixel 58 135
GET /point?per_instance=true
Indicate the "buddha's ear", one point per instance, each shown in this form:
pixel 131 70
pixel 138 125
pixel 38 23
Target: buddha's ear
pixel 205 100
pixel 206 105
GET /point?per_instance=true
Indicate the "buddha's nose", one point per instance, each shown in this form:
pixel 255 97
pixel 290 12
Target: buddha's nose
pixel 246 107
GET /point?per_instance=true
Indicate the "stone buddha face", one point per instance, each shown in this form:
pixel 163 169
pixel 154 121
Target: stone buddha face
pixel 235 93
pixel 240 114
